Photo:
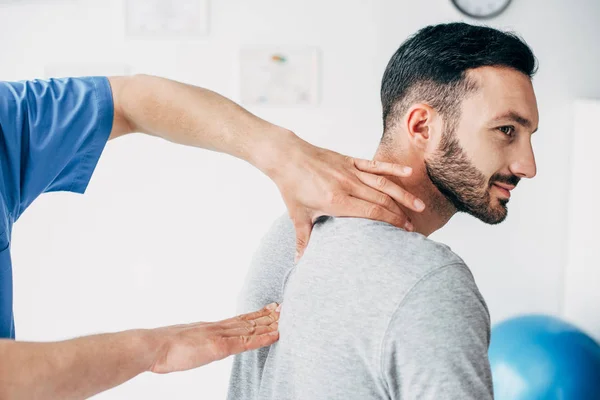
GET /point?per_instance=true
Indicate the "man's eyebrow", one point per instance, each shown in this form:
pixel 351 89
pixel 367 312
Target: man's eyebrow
pixel 516 117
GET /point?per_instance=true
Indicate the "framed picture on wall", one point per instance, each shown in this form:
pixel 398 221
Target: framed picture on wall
pixel 279 76
pixel 166 18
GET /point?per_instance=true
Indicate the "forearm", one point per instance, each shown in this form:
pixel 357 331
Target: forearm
pixel 194 116
pixel 72 369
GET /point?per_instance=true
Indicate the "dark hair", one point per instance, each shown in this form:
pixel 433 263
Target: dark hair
pixel 431 66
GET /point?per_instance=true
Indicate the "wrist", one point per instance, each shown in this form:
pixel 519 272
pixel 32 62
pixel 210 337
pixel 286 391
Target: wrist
pixel 274 151
pixel 146 346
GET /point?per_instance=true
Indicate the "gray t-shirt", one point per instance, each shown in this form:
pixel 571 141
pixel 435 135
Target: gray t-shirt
pixel 369 312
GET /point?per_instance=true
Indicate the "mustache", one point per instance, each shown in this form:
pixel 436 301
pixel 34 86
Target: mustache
pixel 508 179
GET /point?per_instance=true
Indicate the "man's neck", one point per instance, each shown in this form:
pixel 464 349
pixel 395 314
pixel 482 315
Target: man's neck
pixel 438 210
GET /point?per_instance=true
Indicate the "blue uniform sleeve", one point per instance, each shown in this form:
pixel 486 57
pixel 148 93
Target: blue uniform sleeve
pixel 52 134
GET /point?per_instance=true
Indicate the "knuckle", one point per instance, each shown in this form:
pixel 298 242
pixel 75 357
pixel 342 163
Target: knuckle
pixel 398 221
pixel 384 200
pixel 374 211
pixel 374 164
pixel 335 197
pixel 247 318
pixel 241 317
pixel 343 179
pixel 400 196
pixel 381 182
pixel 246 341
pixel 407 198
pixel 300 242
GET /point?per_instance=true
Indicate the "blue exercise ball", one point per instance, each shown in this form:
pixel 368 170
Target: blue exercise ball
pixel 543 358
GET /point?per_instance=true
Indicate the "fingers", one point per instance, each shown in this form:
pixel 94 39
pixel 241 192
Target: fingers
pixel 303 229
pixel 250 330
pixel 183 347
pixel 391 189
pixel 363 209
pixel 239 344
pixel 250 325
pixel 382 168
pixel 255 323
pixel 364 190
pixel 256 315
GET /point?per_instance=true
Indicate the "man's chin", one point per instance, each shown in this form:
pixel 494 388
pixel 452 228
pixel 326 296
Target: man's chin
pixel 496 220
pixel 494 213
pixel 494 216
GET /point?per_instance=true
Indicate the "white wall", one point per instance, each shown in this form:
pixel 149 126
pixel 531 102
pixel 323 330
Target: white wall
pixel 165 233
pixel 582 272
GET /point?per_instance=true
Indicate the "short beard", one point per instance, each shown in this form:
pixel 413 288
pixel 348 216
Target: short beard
pixel 463 185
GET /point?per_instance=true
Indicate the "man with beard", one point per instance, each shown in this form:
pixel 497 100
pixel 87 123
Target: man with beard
pixel 376 312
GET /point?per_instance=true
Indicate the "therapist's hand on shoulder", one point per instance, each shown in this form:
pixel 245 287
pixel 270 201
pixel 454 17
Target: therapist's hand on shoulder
pixel 315 181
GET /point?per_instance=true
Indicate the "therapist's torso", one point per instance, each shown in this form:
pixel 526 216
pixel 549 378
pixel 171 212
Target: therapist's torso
pixel 52 134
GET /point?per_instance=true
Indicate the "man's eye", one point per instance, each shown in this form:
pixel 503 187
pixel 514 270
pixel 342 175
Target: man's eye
pixel 507 130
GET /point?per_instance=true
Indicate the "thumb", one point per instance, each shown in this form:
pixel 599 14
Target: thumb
pixel 303 229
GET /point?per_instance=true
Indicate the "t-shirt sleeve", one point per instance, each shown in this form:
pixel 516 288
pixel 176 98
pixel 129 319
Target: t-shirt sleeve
pixel 436 345
pixel 52 133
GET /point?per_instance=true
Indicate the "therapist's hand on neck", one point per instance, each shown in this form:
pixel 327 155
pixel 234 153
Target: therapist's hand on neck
pixel 313 181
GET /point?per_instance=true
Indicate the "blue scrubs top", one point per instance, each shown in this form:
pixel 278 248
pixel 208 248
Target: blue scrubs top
pixel 52 134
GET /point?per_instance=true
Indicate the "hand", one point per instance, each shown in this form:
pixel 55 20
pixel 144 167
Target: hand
pixel 184 347
pixel 315 182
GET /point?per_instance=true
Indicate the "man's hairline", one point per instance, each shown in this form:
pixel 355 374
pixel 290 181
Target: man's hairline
pixel 472 86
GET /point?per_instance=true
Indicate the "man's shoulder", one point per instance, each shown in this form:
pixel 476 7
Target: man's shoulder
pixel 278 245
pixel 270 264
pixel 392 258
pixel 383 261
pixel 375 241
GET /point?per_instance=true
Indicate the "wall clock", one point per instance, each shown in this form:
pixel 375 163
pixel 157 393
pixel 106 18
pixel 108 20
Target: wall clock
pixel 481 9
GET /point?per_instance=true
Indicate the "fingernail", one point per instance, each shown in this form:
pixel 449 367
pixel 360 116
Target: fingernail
pixel 274 333
pixel 278 309
pixel 297 257
pixel 419 205
pixel 271 306
pixel 409 227
pixel 407 170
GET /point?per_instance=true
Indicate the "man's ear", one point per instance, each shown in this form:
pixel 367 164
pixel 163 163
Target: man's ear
pixel 419 123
